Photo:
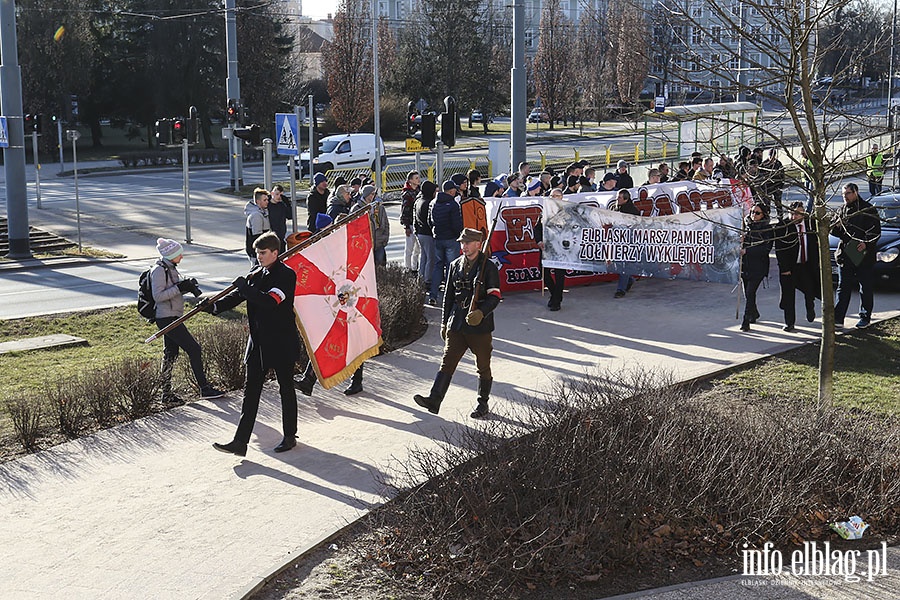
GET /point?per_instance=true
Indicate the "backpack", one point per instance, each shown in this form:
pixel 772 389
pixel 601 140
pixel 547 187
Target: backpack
pixel 146 305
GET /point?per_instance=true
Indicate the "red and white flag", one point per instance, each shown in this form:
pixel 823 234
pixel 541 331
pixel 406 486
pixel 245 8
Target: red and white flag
pixel 336 300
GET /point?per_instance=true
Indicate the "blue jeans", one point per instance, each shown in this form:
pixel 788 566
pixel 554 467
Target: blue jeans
pixel 852 277
pixel 426 257
pixel 380 256
pixel 445 251
pixel 624 281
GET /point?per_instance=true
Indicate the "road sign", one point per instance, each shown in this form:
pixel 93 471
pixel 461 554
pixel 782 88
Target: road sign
pixel 659 104
pixel 4 133
pixel 414 145
pixel 286 132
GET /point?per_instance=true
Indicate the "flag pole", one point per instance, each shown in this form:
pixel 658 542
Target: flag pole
pixel 319 235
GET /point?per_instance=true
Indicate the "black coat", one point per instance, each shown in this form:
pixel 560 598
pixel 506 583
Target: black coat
pixel 316 203
pixel 787 251
pixel 273 329
pixel 854 223
pixel 757 243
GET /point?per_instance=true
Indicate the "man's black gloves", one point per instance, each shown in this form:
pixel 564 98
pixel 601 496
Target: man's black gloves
pixel 241 284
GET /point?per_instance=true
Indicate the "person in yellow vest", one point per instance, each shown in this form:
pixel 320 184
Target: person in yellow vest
pixel 875 170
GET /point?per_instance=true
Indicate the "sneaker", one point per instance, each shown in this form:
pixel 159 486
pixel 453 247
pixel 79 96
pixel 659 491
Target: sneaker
pixel 209 393
pixel 171 399
pixel 432 302
pixel 619 294
pixel 862 324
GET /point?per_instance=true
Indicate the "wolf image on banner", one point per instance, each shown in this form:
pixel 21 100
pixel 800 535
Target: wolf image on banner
pixel 699 245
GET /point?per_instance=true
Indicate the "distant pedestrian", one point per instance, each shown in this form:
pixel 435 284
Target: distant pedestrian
pixel 407 206
pixel 624 204
pixel 280 212
pixel 168 289
pixel 797 251
pixel 623 179
pixel 859 228
pixel 274 341
pixel 423 231
pixel 463 329
pixel 445 218
pixel 554 279
pixel 875 170
pixel 316 201
pixel 755 247
pixel 380 223
pixel 257 212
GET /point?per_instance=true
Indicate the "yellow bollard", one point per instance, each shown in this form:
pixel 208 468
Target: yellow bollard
pixel 608 153
pixel 637 153
pixel 665 148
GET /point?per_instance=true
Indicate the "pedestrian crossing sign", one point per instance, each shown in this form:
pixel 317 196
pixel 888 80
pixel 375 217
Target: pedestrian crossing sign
pixel 4 133
pixel 286 130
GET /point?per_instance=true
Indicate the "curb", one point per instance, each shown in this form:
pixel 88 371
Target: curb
pixel 675 587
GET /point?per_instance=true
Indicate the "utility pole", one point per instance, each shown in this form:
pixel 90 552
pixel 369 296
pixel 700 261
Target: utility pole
pixel 14 156
pixel 518 97
pixel 377 104
pixel 233 90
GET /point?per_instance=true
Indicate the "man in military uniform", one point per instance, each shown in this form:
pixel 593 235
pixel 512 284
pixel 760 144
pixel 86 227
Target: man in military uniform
pixel 466 325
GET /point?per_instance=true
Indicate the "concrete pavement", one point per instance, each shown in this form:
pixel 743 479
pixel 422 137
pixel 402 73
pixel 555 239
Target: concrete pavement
pixel 150 510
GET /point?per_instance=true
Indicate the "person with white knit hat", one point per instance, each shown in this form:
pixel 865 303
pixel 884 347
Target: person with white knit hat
pixel 168 289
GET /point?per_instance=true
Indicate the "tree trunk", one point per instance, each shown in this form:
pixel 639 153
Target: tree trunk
pixel 826 352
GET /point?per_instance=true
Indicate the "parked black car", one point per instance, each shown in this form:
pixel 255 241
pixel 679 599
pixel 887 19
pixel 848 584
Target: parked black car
pixel 887 265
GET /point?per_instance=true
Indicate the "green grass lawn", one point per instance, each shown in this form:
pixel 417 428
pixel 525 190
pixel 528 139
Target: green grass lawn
pixel 866 373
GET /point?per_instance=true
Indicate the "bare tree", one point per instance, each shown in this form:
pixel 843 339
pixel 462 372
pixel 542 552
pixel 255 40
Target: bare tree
pixel 632 62
pixel 552 63
pixel 348 64
pixel 767 50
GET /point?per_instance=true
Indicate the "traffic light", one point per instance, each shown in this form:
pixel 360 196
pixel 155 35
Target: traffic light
pixel 428 130
pixel 232 111
pixel 251 135
pixel 179 131
pixel 32 122
pixel 448 122
pixel 164 132
pixel 411 120
pixel 193 130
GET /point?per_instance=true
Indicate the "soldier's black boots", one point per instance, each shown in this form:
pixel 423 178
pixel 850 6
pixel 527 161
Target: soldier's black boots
pixel 432 402
pixel 355 386
pixel 484 394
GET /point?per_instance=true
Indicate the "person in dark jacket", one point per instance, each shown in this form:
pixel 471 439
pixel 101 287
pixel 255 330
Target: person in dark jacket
pixel 411 254
pixel 423 231
pixel 317 201
pixel 797 251
pixel 464 329
pixel 858 226
pixel 623 179
pixel 755 247
pixel 554 279
pixel 624 204
pixel 445 218
pixel 280 212
pixel 274 340
pixel 341 202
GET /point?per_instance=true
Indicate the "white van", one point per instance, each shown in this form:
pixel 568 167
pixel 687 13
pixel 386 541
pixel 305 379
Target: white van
pixel 346 151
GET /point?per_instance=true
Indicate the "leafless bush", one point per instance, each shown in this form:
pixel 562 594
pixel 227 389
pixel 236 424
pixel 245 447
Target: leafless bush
pixel 617 467
pixel 26 414
pixel 137 383
pixel 97 391
pixel 68 405
pixel 224 344
pixel 400 304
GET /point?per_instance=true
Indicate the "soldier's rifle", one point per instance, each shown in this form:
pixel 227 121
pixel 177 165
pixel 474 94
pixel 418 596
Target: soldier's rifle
pixel 306 243
pixel 486 253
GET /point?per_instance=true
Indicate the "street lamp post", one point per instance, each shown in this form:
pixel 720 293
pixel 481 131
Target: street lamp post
pixel 73 135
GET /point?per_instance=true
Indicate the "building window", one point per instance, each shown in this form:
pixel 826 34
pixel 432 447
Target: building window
pixel 529 38
pixel 754 59
pixel 734 63
pixel 716 33
pixel 383 9
pixel 696 12
pixel 696 35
